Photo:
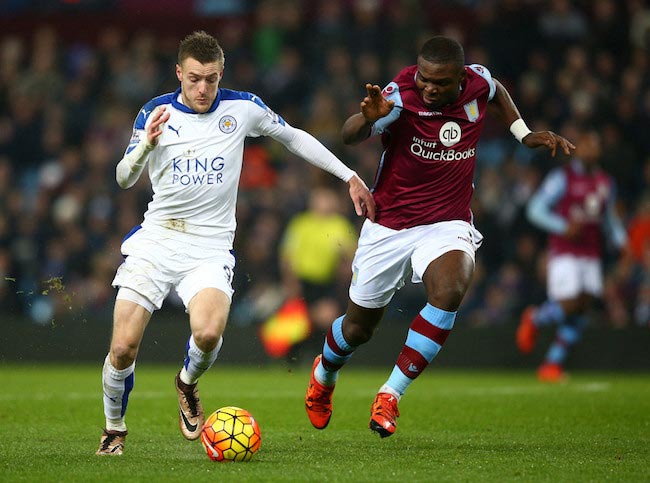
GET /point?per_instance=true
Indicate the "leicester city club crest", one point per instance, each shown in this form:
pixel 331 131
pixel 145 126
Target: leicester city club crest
pixel 227 124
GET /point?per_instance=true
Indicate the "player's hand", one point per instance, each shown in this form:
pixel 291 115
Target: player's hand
pixel 550 140
pixel 573 230
pixel 364 203
pixel 155 127
pixel 375 106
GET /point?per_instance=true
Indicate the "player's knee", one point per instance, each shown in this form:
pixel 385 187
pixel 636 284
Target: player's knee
pixel 449 296
pixel 356 334
pixel 123 354
pixel 207 338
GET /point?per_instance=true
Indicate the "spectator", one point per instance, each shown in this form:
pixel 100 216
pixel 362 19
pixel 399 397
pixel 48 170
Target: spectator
pixel 315 254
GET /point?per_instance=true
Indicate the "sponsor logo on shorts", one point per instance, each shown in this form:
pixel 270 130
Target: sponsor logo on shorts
pixel 229 274
pixel 355 276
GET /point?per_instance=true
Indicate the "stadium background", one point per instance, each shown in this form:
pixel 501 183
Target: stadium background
pixel 74 73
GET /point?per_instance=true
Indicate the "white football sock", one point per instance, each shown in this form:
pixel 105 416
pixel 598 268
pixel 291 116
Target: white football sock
pixel 117 385
pixel 197 361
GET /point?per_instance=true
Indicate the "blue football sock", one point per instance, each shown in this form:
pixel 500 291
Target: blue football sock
pixel 550 312
pixel 567 335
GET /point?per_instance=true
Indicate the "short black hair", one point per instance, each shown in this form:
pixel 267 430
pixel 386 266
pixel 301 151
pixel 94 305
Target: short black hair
pixel 443 50
pixel 200 46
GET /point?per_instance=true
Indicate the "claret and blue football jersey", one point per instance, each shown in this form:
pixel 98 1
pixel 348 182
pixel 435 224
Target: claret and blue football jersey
pixel 427 168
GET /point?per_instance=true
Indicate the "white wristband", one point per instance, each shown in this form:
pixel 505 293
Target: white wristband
pixel 519 129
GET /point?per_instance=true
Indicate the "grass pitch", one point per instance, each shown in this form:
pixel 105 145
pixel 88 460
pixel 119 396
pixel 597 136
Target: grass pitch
pixel 455 426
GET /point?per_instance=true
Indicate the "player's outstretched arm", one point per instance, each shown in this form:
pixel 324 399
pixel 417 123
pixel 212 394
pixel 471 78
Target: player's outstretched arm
pixel 505 107
pixel 130 167
pixel 373 107
pixel 364 203
pixel 310 149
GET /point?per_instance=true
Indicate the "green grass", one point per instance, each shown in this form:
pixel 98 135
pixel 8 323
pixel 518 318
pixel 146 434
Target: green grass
pixel 455 426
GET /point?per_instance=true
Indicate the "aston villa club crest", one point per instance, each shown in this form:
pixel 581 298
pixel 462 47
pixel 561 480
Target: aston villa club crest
pixel 471 109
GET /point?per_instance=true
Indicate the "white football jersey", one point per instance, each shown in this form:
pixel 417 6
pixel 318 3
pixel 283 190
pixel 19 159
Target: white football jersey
pixel 196 165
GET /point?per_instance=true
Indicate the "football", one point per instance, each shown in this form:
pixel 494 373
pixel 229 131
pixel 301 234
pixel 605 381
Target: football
pixel 231 434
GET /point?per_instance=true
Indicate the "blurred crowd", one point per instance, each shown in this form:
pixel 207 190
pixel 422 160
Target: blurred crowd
pixel 67 108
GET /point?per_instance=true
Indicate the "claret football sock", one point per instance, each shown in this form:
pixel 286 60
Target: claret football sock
pixel 425 338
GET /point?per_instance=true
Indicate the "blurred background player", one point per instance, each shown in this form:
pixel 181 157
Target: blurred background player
pixel 193 142
pixel 575 204
pixel 315 254
pixel 430 119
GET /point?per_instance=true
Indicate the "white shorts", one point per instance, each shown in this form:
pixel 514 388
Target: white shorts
pixel 385 257
pixel 568 276
pixel 154 265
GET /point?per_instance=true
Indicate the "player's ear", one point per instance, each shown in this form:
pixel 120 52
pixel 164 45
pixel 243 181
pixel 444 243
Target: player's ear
pixel 179 73
pixel 463 74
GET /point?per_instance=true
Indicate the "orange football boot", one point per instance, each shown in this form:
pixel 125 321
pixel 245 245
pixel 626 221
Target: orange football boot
pixel 527 331
pixel 383 414
pixel 318 400
pixel 552 373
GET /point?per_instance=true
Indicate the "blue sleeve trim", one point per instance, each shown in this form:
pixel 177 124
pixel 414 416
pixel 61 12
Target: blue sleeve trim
pixel 230 95
pixel 613 225
pixel 540 207
pixel 393 95
pixel 485 74
pixel 148 108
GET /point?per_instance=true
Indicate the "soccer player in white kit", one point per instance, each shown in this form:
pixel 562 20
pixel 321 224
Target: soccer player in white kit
pixel 430 119
pixel 192 142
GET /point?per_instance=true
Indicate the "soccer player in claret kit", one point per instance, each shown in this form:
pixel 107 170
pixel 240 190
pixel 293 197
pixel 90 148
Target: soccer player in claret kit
pixel 430 119
pixel 576 205
pixel 192 141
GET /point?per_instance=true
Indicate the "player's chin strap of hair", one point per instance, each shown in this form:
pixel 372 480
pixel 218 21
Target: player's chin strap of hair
pixel 519 129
